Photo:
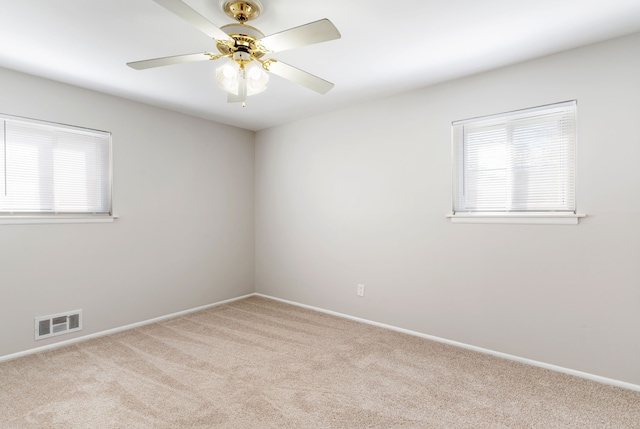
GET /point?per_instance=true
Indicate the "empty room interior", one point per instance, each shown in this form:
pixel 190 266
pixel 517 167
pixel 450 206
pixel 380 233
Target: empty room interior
pixel 322 252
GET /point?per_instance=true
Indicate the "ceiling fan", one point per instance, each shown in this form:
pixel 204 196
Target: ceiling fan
pixel 247 71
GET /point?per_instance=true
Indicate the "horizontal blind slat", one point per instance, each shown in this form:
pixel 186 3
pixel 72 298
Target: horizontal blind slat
pixel 524 161
pixel 52 168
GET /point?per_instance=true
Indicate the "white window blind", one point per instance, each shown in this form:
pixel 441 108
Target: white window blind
pixel 48 168
pixel 521 161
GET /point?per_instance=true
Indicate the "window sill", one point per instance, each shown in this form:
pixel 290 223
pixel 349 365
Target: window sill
pixel 529 218
pixel 24 220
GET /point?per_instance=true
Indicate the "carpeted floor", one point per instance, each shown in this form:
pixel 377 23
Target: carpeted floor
pixel 259 363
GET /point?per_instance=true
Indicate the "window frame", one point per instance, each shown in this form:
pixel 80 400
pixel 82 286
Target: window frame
pixel 38 217
pixel 507 119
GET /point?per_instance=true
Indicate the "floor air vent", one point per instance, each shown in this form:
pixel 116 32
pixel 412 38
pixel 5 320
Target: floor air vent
pixel 58 324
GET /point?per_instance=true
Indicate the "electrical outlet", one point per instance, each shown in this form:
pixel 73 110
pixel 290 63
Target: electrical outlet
pixel 360 290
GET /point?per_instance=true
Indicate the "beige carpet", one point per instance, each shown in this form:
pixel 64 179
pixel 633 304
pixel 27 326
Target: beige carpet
pixel 259 363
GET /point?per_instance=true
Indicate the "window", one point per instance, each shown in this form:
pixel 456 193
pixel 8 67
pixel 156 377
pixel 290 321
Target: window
pixel 53 170
pixel 517 163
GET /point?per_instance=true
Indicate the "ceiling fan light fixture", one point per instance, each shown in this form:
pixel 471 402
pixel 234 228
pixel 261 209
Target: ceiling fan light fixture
pixel 227 76
pixel 230 73
pixel 257 78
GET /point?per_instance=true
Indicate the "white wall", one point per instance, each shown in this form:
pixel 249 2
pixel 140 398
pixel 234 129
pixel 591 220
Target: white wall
pixel 355 196
pixel 360 196
pixel 183 188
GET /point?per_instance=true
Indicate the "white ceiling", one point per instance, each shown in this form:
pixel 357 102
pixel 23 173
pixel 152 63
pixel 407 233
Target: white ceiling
pixel 386 47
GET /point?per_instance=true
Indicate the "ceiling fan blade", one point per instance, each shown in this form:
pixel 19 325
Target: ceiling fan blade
pixel 185 12
pixel 308 34
pixel 166 61
pixel 298 76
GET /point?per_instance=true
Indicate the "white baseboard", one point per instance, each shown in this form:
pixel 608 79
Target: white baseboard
pixel 551 367
pixel 119 329
pixel 588 376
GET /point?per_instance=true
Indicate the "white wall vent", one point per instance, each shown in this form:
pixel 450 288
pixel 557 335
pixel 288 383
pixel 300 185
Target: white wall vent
pixel 58 324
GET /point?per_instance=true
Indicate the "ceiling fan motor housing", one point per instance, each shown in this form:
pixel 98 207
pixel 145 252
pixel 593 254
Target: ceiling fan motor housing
pixel 245 41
